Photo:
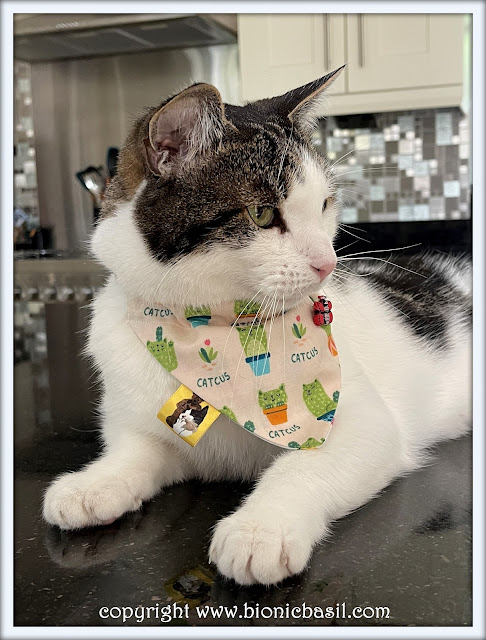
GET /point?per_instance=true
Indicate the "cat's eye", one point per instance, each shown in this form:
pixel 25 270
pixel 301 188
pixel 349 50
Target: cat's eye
pixel 262 216
pixel 324 206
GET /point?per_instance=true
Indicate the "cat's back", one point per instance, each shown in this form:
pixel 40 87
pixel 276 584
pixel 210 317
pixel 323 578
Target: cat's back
pixel 428 292
pixel 407 326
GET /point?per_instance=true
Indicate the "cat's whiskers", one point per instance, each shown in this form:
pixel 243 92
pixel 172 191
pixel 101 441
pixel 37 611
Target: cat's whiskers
pixel 354 200
pixel 157 291
pixel 380 167
pixel 189 290
pixel 267 309
pixel 352 234
pixel 340 160
pixel 346 246
pixel 360 253
pixel 273 316
pixel 233 325
pixel 345 301
pixel 350 194
pixel 363 147
pixel 350 226
pixel 243 350
pixel 349 272
pixel 361 192
pixel 386 262
pixel 283 331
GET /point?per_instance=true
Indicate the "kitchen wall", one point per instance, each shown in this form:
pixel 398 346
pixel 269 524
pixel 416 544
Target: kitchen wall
pixel 400 166
pixel 81 107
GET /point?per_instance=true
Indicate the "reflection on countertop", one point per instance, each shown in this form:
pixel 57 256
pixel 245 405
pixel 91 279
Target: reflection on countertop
pixel 409 549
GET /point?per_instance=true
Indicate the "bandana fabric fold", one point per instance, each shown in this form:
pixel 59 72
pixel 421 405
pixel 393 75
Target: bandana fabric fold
pixel 279 378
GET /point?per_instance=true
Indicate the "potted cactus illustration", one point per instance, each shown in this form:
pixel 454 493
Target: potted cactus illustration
pixel 228 413
pixel 274 404
pixel 249 426
pixel 299 331
pixel 198 316
pixel 254 343
pixel 310 443
pixel 246 309
pixel 163 350
pixel 318 402
pixel 208 355
pixel 331 345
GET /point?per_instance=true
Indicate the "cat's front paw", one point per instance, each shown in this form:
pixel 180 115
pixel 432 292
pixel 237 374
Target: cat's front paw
pixel 252 548
pixel 84 499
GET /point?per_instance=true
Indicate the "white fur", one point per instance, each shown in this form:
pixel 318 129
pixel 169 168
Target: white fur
pixel 398 396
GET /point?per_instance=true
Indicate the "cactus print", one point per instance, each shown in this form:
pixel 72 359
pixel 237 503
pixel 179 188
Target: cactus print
pixel 163 350
pixel 253 340
pixel 228 413
pixel 239 366
pixel 274 398
pixel 318 402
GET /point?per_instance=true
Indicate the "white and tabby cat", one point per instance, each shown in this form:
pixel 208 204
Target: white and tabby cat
pixel 176 225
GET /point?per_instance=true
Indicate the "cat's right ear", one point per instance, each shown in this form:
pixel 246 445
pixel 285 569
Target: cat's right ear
pixel 305 104
pixel 189 125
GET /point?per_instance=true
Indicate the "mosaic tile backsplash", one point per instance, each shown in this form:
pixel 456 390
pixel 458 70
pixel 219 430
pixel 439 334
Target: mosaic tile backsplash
pixel 407 166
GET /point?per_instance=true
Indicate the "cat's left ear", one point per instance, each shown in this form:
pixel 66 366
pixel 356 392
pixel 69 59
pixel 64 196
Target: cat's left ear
pixel 305 104
pixel 189 125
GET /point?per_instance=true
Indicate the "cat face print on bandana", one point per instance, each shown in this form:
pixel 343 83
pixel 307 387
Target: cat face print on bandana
pixel 279 378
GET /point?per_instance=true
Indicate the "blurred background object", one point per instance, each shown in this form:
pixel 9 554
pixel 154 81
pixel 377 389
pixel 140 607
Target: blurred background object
pixel 94 180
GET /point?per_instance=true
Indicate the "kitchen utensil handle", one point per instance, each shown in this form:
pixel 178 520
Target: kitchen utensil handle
pixel 328 41
pixel 361 57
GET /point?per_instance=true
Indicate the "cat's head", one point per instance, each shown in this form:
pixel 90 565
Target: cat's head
pixel 214 202
pixel 313 388
pixel 273 398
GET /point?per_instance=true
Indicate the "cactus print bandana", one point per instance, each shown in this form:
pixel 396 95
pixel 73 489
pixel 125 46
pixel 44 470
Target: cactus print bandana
pixel 279 378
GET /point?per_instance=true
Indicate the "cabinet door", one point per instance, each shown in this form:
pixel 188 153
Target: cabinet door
pixel 279 52
pixel 397 51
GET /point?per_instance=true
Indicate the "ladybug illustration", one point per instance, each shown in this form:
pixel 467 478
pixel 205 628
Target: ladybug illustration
pixel 322 311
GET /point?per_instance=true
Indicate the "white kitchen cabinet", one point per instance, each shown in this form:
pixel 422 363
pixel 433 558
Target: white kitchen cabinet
pixel 398 51
pixel 279 52
pixel 394 61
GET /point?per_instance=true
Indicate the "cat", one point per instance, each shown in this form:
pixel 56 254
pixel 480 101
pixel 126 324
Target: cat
pixel 221 202
pixel 197 413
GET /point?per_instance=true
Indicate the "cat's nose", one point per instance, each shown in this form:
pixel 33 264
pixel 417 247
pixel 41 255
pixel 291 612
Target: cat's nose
pixel 324 268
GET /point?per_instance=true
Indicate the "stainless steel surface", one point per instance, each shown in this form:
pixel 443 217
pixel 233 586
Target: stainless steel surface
pixel 361 55
pixel 37 23
pixel 62 37
pixel 62 280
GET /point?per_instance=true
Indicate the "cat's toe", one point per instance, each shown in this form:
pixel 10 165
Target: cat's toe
pixel 251 550
pixel 78 500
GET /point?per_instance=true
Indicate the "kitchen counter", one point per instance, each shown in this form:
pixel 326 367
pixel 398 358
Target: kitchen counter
pixel 409 549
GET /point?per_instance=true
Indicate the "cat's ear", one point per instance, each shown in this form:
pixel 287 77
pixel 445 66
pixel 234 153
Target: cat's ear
pixel 189 125
pixel 282 387
pixel 305 104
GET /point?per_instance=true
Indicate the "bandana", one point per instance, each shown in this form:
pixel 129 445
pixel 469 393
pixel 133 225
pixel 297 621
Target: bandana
pixel 277 377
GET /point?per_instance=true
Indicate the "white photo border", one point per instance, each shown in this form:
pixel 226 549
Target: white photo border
pixel 477 9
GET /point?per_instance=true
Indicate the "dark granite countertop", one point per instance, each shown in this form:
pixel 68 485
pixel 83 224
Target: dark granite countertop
pixel 409 549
